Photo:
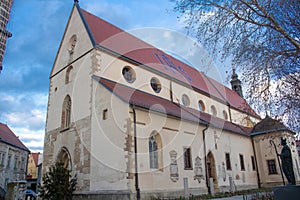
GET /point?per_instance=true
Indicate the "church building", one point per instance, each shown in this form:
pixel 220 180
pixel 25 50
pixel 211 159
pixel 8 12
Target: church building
pixel 133 122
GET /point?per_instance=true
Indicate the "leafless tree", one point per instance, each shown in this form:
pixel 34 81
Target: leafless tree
pixel 262 38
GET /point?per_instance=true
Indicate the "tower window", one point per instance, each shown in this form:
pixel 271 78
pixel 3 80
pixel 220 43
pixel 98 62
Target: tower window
pixel 66 113
pixel 68 74
pixel 72 44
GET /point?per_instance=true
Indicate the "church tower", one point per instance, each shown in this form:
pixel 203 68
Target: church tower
pixel 236 83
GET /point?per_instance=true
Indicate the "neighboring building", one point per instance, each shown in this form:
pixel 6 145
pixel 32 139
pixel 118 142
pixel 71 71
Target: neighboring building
pixel 33 162
pixel 128 119
pixel 33 170
pixel 13 158
pixel 5 7
pixel 298 147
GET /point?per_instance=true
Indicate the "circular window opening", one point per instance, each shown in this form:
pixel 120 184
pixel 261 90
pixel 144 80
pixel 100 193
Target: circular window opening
pixel 72 43
pixel 201 106
pixel 185 100
pixel 213 111
pixel 128 74
pixel 155 84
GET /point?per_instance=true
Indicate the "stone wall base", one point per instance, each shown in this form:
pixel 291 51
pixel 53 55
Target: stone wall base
pixel 128 195
pixel 104 195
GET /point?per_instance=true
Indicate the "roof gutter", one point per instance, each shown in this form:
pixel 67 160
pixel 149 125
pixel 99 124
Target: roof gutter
pixel 138 195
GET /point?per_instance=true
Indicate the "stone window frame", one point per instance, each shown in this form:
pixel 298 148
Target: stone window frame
pixel 187 158
pixel 155 151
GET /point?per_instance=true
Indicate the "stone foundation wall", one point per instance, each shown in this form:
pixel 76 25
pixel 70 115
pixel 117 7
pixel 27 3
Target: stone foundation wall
pixel 104 195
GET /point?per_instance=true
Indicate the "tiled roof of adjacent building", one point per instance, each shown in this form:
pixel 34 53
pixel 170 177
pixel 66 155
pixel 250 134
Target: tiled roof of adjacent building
pixel 120 43
pixel 8 137
pixel 268 125
pixel 35 157
pixel 154 103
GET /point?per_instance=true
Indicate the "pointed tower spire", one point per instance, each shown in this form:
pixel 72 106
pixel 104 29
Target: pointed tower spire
pixel 236 83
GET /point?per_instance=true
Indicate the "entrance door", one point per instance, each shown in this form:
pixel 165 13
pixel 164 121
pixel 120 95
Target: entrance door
pixel 211 169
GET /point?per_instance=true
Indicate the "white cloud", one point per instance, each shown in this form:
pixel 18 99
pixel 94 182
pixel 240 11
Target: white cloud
pixel 25 114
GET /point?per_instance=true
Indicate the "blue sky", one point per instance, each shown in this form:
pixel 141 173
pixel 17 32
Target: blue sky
pixel 37 27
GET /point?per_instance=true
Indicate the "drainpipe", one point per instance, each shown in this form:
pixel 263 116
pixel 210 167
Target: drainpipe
pixel 138 195
pixel 256 165
pixel 205 160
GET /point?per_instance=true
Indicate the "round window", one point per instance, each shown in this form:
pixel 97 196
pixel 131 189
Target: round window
pixel 155 84
pixel 128 74
pixel 185 100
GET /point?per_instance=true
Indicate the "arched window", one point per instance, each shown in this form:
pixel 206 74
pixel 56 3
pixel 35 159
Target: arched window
pixel 68 74
pixel 155 151
pixel 66 113
pixel 72 43
pixel 225 115
pixel 213 111
pixel 65 158
pixel 201 106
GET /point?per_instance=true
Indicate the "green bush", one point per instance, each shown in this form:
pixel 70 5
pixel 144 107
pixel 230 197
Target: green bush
pixel 58 184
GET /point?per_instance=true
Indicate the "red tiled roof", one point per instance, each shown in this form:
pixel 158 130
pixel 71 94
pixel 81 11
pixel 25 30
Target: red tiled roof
pixel 155 103
pixel 35 157
pixel 118 41
pixel 7 136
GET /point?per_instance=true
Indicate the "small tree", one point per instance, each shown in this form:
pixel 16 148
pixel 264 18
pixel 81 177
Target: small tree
pixel 58 184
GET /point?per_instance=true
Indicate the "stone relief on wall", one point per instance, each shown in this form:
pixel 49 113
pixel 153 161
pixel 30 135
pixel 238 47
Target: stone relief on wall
pixel 198 169
pixel 174 176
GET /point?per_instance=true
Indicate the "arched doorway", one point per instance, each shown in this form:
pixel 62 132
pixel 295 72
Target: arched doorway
pixel 211 170
pixel 65 158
